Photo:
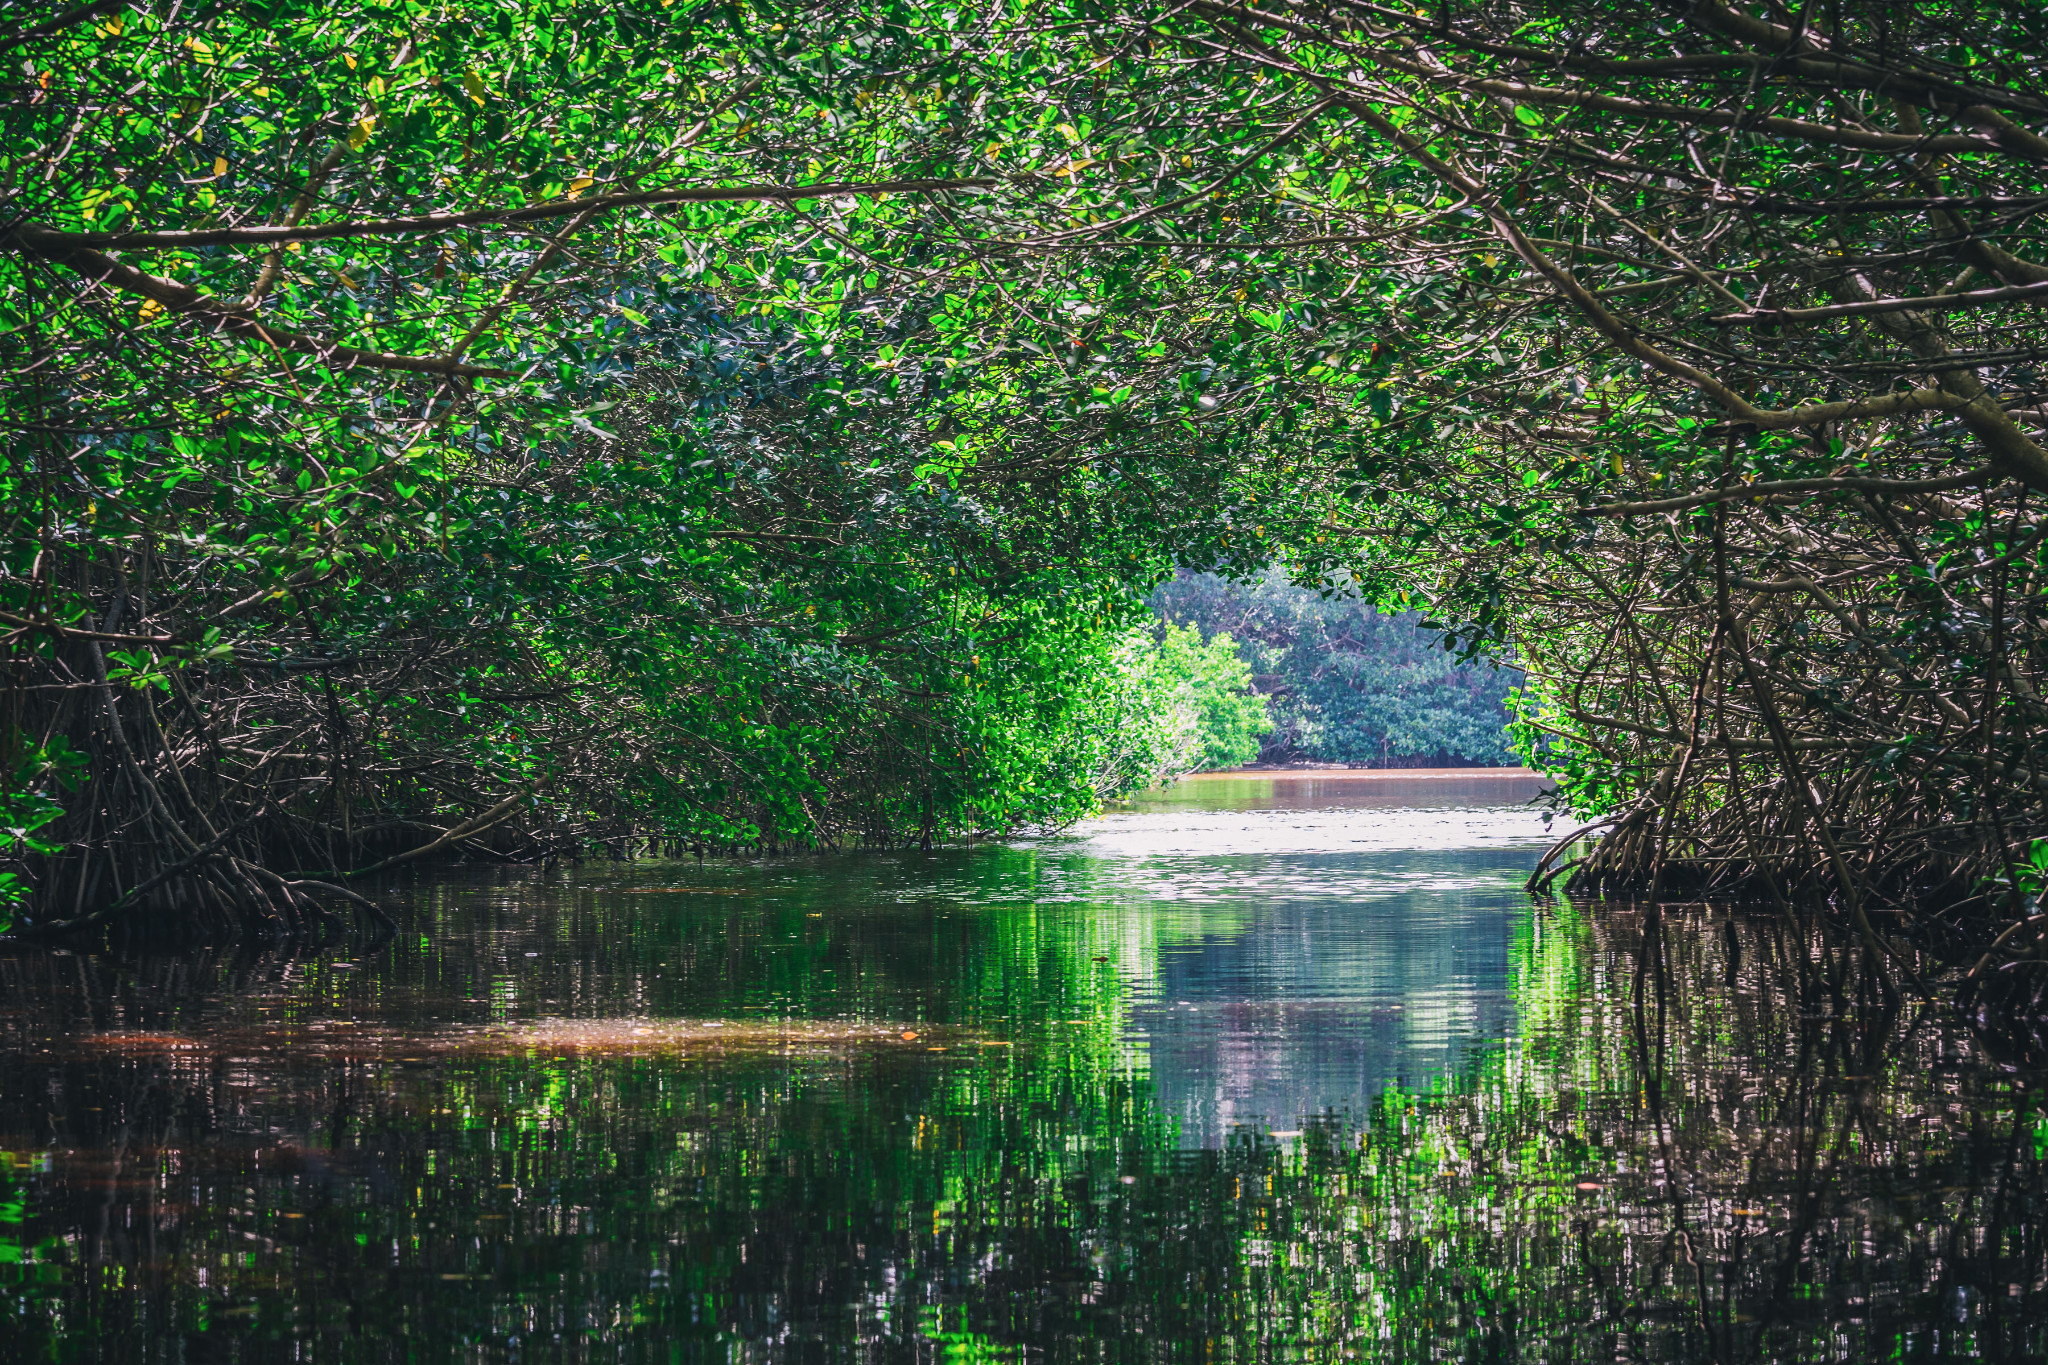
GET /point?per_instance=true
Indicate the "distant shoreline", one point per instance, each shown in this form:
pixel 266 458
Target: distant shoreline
pixel 1363 774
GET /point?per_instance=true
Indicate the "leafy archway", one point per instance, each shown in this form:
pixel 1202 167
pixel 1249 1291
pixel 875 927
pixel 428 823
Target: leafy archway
pixel 608 419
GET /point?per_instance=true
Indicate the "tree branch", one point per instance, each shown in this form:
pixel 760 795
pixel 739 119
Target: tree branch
pixel 1975 298
pixel 68 19
pixel 100 268
pixel 1764 490
pixel 47 240
pixel 477 824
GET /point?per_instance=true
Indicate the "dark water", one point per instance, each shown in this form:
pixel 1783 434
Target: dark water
pixel 1245 1072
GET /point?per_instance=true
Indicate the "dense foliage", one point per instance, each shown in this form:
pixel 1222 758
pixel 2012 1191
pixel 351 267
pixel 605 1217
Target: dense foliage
pixel 1347 683
pixel 1691 353
pixel 878 358
pixel 1218 715
pixel 416 449
pixel 1711 347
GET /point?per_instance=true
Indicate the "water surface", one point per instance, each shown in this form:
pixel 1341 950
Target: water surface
pixel 1253 1069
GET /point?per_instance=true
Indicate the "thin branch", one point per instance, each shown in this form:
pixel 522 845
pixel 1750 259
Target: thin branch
pixel 1975 298
pixel 47 241
pixel 1764 490
pixel 68 19
pixel 102 269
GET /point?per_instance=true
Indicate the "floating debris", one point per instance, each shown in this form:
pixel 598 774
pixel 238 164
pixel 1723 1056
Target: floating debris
pixel 655 1035
pixel 342 1038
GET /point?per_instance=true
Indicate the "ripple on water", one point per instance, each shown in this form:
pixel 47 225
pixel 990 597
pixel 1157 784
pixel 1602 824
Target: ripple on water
pixel 1294 833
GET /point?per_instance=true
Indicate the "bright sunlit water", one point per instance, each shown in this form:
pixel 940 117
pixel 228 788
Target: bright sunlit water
pixel 1375 953
pixel 1252 1069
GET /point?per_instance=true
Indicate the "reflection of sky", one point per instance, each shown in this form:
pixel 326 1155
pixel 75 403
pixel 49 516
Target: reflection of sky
pixel 1368 947
pixel 1287 949
pixel 1406 790
pixel 1315 1006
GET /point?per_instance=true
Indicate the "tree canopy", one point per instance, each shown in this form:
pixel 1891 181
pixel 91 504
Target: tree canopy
pixel 418 449
pixel 729 395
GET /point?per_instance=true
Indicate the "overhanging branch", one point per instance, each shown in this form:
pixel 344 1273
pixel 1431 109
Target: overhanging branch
pixel 47 240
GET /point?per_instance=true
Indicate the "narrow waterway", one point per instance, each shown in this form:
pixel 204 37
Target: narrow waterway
pixel 1251 1069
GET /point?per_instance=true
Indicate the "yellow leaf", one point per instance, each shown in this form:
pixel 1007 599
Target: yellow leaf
pixel 360 133
pixel 1068 129
pixel 473 86
pixel 150 308
pixel 1615 460
pixel 350 58
pixel 580 184
pixel 376 87
pixel 220 165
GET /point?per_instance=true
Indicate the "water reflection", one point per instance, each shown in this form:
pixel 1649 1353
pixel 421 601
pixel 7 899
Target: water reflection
pixel 1026 1103
pixel 1320 1007
pixel 1407 790
pixel 1305 957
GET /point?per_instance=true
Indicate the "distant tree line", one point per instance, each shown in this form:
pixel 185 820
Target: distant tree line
pixel 1346 682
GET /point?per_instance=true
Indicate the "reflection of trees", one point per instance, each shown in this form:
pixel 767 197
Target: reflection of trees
pixel 1786 1169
